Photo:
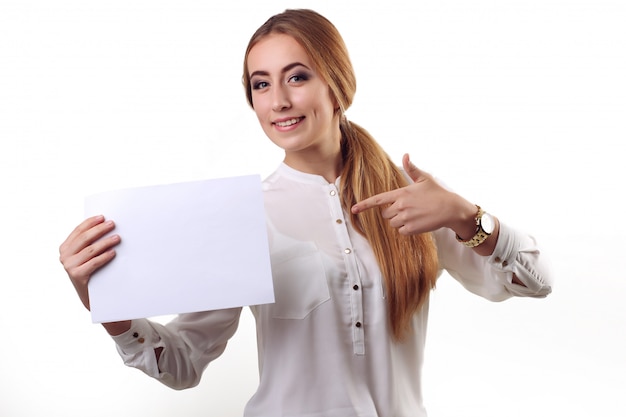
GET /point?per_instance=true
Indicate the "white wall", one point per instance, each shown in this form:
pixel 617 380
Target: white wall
pixel 520 105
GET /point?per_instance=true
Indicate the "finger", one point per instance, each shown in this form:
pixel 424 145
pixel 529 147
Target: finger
pixel 99 247
pixel 414 172
pixel 389 212
pixel 94 263
pixel 406 230
pixel 396 222
pixel 85 225
pixel 85 234
pixel 374 201
pixel 68 247
pixel 71 260
pixel 83 264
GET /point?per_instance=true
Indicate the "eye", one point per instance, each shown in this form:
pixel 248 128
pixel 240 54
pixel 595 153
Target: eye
pixel 298 78
pixel 259 85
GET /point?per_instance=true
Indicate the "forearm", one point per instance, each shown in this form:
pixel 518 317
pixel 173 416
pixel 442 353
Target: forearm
pixel 515 268
pixel 116 328
pixel 176 353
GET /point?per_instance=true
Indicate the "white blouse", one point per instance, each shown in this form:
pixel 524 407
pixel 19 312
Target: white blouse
pixel 324 347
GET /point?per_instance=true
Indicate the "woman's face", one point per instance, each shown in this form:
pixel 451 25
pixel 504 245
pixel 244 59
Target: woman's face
pixel 292 102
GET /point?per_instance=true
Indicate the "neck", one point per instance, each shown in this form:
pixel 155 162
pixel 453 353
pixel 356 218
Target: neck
pixel 323 159
pixel 328 166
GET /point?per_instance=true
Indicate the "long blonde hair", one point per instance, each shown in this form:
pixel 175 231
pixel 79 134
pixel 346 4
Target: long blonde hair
pixel 408 263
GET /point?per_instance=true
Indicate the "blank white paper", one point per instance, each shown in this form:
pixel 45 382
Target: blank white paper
pixel 185 247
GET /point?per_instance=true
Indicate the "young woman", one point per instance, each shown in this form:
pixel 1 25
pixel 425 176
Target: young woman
pixel 356 247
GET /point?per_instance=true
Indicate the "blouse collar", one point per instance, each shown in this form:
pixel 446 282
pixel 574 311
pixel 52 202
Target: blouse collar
pixel 304 177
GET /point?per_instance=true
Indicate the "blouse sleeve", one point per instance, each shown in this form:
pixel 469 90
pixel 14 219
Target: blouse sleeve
pixel 190 342
pixel 491 276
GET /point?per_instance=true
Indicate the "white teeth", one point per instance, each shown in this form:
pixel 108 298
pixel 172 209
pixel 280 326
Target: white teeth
pixel 288 122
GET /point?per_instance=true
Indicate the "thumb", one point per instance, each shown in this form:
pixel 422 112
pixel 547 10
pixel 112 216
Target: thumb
pixel 414 172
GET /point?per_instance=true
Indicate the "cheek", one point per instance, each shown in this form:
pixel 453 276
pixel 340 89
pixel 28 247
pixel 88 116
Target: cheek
pixel 257 112
pixel 259 108
pixel 326 101
pixel 311 101
pixel 325 107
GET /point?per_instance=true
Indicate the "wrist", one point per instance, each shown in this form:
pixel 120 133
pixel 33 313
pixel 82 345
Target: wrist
pixel 465 225
pixel 485 225
pixel 116 328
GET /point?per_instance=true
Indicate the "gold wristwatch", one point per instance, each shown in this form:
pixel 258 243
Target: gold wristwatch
pixel 485 224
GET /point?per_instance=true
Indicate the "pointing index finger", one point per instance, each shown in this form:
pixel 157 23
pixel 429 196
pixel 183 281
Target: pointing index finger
pixel 373 201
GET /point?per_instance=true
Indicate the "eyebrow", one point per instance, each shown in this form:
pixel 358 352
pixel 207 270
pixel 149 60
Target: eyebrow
pixel 284 70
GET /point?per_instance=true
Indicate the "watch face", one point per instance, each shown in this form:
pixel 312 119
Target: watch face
pixel 487 223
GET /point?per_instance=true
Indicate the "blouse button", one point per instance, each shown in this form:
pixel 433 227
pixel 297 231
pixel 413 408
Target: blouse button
pixel 333 192
pixel 355 287
pixel 358 324
pixel 135 335
pixel 347 250
pixel 339 221
pixel 497 259
pixel 505 263
pixel 141 340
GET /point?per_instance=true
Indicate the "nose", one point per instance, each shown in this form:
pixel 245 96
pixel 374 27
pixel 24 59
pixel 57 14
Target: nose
pixel 280 99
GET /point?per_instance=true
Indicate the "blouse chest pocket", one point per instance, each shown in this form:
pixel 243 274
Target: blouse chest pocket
pixel 300 283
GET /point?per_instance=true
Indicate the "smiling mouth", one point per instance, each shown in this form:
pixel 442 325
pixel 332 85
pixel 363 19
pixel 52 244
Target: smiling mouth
pixel 289 122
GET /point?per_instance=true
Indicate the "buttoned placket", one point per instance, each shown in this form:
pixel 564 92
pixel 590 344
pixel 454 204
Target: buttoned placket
pixel 353 283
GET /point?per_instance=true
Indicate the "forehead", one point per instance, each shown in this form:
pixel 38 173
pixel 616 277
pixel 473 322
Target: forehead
pixel 274 52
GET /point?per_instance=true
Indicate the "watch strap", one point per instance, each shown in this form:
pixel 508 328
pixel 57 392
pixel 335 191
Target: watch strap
pixel 480 236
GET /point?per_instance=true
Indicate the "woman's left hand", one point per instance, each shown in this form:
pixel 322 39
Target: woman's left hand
pixel 423 206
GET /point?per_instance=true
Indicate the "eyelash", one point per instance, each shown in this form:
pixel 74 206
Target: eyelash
pixel 301 76
pixel 259 85
pixel 262 84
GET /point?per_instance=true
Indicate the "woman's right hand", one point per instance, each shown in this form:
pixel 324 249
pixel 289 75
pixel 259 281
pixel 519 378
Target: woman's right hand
pixel 85 251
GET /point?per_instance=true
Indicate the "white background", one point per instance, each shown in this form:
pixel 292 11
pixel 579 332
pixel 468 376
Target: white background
pixel 519 105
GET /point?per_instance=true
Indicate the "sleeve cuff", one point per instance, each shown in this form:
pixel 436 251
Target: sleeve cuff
pixel 518 254
pixel 140 336
pixel 505 253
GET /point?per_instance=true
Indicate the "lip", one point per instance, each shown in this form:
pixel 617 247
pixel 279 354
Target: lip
pixel 285 128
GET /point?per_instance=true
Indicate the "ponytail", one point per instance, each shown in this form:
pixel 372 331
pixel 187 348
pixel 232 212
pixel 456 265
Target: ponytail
pixel 408 263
